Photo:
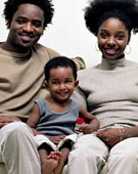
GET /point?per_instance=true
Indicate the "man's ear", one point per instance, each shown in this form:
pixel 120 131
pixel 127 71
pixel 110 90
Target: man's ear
pixel 76 83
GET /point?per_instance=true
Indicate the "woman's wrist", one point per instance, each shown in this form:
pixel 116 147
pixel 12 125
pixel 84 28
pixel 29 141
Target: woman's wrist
pixel 123 132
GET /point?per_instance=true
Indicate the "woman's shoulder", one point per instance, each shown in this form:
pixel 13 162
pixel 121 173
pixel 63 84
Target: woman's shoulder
pixel 87 71
pixel 131 63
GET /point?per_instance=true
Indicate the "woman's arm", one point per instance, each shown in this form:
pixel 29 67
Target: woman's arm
pixel 112 136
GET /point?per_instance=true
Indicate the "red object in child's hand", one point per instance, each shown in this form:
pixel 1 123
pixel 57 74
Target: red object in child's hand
pixel 80 120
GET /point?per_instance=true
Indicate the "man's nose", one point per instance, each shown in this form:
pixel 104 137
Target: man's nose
pixel 28 27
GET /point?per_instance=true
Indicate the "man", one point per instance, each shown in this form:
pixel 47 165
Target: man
pixel 21 81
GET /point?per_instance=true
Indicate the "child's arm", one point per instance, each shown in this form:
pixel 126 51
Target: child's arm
pixel 91 125
pixel 34 117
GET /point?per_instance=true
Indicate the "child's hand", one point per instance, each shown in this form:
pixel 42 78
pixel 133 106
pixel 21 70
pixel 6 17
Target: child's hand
pixel 80 121
pixel 55 155
pixel 86 128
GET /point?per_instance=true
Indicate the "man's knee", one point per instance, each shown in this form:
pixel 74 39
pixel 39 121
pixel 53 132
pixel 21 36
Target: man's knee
pixel 14 131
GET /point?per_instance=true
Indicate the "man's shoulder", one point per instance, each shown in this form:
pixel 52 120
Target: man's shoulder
pixel 41 49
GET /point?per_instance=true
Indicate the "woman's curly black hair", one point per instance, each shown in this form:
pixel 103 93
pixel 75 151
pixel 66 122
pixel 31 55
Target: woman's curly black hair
pixel 100 10
pixel 11 7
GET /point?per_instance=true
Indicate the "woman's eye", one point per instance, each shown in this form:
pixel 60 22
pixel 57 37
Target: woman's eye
pixel 120 37
pixel 103 34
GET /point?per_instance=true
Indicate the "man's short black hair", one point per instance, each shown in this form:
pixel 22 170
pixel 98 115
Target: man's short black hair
pixel 11 7
pixel 60 61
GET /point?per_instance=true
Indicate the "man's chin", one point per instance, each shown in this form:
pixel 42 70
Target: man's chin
pixel 23 47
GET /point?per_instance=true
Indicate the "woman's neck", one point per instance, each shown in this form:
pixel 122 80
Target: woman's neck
pixel 110 64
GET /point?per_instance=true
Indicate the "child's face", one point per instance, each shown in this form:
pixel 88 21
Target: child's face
pixel 61 83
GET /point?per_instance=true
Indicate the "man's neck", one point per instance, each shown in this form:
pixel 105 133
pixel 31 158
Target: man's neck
pixel 16 49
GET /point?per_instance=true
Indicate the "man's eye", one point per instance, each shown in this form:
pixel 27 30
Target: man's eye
pixel 20 21
pixel 37 24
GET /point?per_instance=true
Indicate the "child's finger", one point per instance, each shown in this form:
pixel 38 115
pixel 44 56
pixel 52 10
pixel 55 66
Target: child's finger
pixel 55 155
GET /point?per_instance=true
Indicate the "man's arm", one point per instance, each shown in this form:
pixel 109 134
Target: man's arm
pixel 34 117
pixel 80 63
pixel 4 120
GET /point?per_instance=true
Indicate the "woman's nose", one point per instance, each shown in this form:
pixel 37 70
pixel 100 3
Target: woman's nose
pixel 111 41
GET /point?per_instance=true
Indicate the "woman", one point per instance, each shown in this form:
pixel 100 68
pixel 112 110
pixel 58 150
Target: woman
pixel 111 91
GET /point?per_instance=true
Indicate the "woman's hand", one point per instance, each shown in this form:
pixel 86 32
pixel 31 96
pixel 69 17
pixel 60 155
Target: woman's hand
pixel 56 139
pixel 111 136
pixel 4 120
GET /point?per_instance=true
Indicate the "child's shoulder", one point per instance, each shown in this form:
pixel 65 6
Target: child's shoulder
pixel 74 103
pixel 41 102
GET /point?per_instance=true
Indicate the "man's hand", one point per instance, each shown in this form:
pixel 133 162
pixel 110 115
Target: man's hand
pixel 4 120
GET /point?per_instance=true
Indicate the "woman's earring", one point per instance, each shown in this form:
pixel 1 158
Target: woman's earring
pixel 128 50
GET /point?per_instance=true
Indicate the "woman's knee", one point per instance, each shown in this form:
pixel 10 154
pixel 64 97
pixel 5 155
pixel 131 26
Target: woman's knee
pixel 84 155
pixel 125 152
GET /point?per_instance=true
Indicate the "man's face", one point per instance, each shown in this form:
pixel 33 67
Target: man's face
pixel 26 27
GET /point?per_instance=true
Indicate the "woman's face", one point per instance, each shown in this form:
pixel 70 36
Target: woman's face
pixel 112 38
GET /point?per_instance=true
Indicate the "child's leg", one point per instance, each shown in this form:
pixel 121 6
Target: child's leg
pixel 65 153
pixel 65 148
pixel 48 162
pixel 62 160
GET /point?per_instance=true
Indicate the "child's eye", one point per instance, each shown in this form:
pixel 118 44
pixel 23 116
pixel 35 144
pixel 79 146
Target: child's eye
pixel 54 82
pixel 69 81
